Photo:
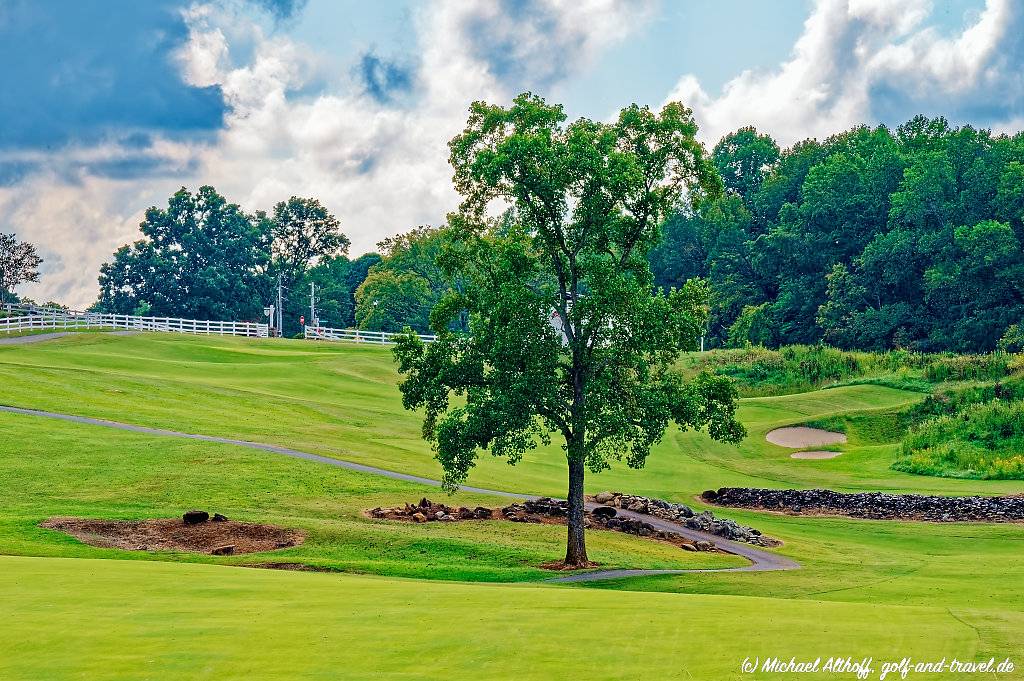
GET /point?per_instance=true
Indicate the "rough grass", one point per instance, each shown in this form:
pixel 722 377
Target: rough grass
pixel 982 441
pixel 801 368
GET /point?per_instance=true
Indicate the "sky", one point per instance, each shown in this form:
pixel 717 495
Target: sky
pixel 108 107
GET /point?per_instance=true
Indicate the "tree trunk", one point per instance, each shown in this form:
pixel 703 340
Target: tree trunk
pixel 576 546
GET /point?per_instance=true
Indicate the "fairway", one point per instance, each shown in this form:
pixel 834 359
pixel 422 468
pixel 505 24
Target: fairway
pixel 865 588
pixel 174 618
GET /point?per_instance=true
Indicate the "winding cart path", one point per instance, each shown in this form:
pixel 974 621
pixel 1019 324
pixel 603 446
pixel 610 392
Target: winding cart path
pixel 760 560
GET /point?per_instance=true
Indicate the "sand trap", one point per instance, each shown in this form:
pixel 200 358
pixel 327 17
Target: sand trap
pixel 815 455
pixel 802 436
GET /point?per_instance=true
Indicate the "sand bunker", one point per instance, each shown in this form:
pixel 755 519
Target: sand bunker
pixel 802 436
pixel 815 455
pixel 171 534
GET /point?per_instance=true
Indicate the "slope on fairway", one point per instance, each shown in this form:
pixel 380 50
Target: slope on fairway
pixel 117 619
pixel 54 468
pixel 341 400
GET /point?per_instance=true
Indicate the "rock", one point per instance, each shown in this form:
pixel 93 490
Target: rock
pixel 604 512
pixel 603 497
pixel 637 507
pixel 688 547
pixel 419 517
pixel 285 544
pixel 195 517
pixel 220 518
pixel 703 545
pixel 482 512
pixel 439 515
pixel 226 550
pixel 445 518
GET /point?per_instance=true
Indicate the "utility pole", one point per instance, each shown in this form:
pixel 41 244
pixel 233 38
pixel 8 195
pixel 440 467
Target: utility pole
pixel 280 316
pixel 312 305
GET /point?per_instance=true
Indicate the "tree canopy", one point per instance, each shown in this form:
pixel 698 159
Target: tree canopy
pixel 204 257
pixel 871 239
pixel 19 264
pixel 567 333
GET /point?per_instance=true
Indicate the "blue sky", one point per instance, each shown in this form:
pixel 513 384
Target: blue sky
pixel 111 106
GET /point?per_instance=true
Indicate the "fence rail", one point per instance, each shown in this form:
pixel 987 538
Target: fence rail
pixel 29 318
pixel 357 336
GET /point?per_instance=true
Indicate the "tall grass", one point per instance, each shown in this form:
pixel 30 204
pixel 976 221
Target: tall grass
pixel 981 441
pixel 798 368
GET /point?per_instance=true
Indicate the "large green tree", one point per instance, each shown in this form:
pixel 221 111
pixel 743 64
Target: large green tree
pixel 202 257
pixel 19 264
pixel 567 333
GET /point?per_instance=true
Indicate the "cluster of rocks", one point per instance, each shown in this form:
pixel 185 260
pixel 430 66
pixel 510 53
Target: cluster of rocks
pixel 544 509
pixel 874 505
pixel 683 514
pixel 428 511
pixel 606 517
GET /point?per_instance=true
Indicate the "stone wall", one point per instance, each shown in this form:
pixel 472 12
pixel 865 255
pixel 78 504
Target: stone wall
pixel 876 505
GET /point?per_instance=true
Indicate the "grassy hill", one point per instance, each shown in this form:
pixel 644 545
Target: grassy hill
pixel 947 589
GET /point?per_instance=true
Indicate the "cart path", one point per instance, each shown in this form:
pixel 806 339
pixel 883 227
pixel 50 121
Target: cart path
pixel 760 560
pixel 40 337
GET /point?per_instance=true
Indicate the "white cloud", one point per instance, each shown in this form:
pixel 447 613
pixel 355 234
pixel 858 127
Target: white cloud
pixel 871 61
pixel 380 169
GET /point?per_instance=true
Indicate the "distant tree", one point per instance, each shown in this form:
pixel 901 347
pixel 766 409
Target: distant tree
pixel 19 264
pixel 586 202
pixel 391 301
pixel 202 258
pixel 336 279
pixel 416 253
pixel 303 232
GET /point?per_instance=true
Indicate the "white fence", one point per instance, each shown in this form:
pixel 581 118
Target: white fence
pixel 30 319
pixel 357 336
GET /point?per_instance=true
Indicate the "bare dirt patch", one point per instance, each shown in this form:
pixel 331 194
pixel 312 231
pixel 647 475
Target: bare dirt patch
pixel 822 454
pixel 173 534
pixel 798 437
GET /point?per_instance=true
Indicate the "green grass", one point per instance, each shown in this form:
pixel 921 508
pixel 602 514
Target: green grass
pixel 983 441
pixel 883 589
pixel 151 620
pixel 52 468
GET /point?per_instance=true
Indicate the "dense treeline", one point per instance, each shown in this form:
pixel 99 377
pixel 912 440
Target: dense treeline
pixel 872 239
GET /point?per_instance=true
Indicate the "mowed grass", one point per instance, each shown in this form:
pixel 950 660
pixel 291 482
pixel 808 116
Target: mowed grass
pixel 883 588
pixel 52 468
pixel 115 619
pixel 341 400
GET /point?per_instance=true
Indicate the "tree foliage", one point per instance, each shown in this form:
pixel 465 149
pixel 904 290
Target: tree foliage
pixel 567 334
pixel 871 239
pixel 203 257
pixel 19 264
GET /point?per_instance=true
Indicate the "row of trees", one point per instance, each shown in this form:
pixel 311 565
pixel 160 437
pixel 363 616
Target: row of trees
pixel 871 239
pixel 205 258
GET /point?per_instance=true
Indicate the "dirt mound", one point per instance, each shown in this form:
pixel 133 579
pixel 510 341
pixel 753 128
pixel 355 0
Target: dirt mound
pixel 802 436
pixel 815 455
pixel 172 534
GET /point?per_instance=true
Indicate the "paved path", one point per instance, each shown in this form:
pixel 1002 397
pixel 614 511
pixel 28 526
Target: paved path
pixel 39 337
pixel 760 560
